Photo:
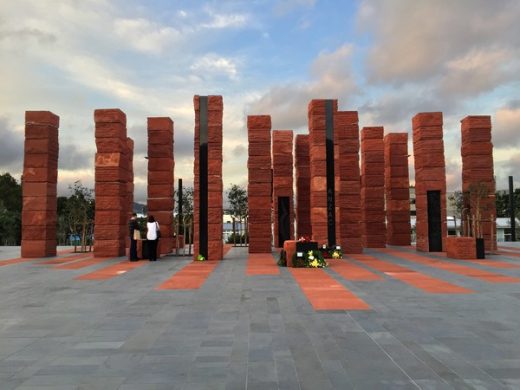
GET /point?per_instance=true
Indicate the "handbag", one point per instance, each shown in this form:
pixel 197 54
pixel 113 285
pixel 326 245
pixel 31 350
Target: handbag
pixel 158 232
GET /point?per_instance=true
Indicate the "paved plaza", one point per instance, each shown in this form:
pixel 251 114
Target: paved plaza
pixel 249 327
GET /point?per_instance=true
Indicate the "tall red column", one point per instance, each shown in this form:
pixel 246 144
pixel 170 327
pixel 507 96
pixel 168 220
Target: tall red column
pixel 324 204
pixel 478 176
pixel 430 181
pixel 282 147
pixel 208 184
pixel 39 181
pixel 259 185
pixel 111 176
pixel 397 189
pixel 129 183
pixel 372 187
pixel 160 178
pixel 349 222
pixel 303 186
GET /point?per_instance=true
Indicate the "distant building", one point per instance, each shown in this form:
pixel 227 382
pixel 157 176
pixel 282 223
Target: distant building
pixel 504 229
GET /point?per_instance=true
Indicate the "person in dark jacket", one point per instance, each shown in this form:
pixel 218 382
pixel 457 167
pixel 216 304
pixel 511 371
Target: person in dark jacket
pixel 133 226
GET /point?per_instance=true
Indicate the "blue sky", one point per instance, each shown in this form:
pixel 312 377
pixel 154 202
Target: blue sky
pixel 386 59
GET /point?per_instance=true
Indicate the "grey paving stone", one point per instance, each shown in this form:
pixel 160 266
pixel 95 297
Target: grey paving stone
pixel 254 331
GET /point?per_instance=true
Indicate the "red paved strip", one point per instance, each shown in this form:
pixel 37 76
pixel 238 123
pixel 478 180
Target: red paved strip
pixel 112 270
pixel 68 259
pixel 190 277
pixel 324 292
pixel 509 248
pixel 82 263
pixel 508 254
pixel 453 268
pixel 495 263
pixel 411 277
pixel 64 251
pixel 488 262
pixel 261 264
pixel 18 260
pixel 15 261
pixel 227 248
pixel 351 271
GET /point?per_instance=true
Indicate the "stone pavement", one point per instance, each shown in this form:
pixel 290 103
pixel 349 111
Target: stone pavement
pixel 255 332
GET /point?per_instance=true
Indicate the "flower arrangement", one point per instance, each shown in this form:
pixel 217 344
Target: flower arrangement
pixel 331 253
pixel 282 260
pixel 200 257
pixel 309 259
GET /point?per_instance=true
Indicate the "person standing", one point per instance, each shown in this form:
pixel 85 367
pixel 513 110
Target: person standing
pixel 135 234
pixel 152 237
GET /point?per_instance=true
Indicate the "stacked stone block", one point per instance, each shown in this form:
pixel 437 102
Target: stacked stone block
pixel 397 191
pixel 318 168
pixel 346 133
pixel 259 186
pixel 372 187
pixel 430 172
pixel 477 174
pixel 282 152
pixel 463 248
pixel 215 185
pixel 303 186
pixel 130 182
pixel 40 175
pixel 160 178
pixel 111 177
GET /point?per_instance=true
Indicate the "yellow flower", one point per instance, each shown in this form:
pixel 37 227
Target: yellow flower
pixel 309 253
pixel 315 263
pixel 336 255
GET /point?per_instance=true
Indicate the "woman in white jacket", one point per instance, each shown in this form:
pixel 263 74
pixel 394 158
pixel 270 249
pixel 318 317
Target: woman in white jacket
pixel 151 235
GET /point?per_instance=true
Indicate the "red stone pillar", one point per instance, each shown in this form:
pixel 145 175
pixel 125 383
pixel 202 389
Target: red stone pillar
pixel 260 183
pixel 208 117
pixel 129 183
pixel 282 147
pixel 320 215
pixel 430 181
pixel 397 189
pixel 303 186
pixel 160 178
pixel 372 187
pixel 349 222
pixel 111 176
pixel 40 176
pixel 477 174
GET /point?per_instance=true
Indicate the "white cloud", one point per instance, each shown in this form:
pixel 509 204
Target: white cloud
pixel 418 40
pixel 220 21
pixel 506 129
pixel 331 77
pixel 478 70
pixel 145 35
pixel 214 65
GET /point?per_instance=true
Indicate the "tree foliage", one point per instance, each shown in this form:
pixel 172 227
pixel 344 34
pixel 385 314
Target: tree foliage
pixel 186 222
pixel 502 203
pixel 238 209
pixel 76 215
pixel 10 210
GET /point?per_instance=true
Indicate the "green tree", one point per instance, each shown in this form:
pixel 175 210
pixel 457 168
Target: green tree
pixel 456 200
pixel 10 210
pixel 76 214
pixel 502 203
pixel 186 222
pixel 238 209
